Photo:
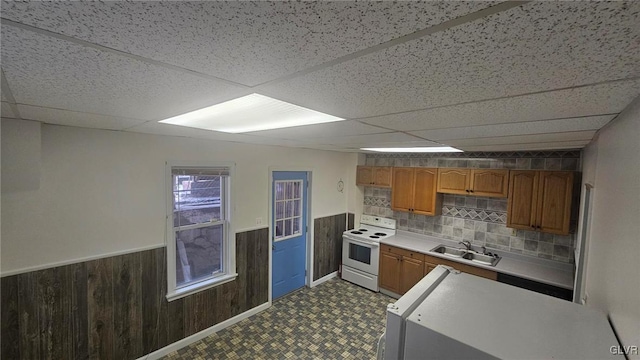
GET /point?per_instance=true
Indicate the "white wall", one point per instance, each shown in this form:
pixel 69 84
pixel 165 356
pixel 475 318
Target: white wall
pixel 20 155
pixel 103 192
pixel 612 164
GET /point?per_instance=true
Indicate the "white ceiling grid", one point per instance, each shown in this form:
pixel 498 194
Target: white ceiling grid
pixel 526 49
pixel 609 98
pixel 541 75
pixel 246 42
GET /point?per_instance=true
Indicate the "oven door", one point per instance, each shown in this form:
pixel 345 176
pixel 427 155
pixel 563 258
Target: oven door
pixel 360 254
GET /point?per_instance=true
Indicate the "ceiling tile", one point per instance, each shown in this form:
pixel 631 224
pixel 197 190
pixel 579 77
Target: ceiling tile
pixel 332 129
pixel 49 72
pixel 154 127
pixel 246 42
pixel 525 147
pixel 385 144
pixel 368 139
pixel 535 47
pixel 73 118
pixel 523 128
pixel 7 112
pixel 607 98
pixel 525 139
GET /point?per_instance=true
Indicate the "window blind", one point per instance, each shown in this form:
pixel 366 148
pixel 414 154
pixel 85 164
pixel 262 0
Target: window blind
pixel 195 171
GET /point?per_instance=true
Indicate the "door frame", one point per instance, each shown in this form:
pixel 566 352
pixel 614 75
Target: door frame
pixel 309 224
pixel 581 247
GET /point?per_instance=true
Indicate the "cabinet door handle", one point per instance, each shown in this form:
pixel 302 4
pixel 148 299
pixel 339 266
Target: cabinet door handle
pixel 467 190
pixel 533 226
pixel 470 190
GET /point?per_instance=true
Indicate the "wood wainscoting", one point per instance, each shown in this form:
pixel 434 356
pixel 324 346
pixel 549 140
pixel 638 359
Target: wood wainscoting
pixel 115 307
pixel 327 244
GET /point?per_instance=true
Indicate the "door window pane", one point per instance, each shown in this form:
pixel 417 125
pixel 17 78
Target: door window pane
pixel 279 210
pixel 288 227
pixel 288 208
pixel 297 207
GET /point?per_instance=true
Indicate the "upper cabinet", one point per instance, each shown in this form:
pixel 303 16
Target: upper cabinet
pixel 540 200
pixel 476 182
pixel 414 190
pixel 379 176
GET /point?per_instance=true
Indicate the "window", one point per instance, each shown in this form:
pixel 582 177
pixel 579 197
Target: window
pixel 199 252
pixel 288 208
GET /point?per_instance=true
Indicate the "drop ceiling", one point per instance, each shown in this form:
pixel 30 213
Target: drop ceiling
pixel 479 76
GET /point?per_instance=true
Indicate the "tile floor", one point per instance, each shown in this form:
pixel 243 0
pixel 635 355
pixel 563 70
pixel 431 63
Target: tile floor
pixel 335 320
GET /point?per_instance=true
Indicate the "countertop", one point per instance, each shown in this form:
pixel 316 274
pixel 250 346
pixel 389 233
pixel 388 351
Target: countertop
pixel 540 270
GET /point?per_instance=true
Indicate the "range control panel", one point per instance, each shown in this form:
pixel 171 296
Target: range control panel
pixel 378 221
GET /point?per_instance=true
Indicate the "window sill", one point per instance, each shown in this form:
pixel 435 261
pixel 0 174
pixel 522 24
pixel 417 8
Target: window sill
pixel 194 288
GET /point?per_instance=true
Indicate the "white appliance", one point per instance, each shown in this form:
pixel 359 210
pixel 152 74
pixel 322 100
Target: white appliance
pixel 361 250
pixel 453 315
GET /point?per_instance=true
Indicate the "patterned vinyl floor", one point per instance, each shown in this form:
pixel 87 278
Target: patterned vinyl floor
pixel 334 320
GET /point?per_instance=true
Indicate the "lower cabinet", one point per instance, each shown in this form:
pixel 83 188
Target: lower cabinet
pixel 401 269
pixel 412 271
pixel 389 273
pixel 469 269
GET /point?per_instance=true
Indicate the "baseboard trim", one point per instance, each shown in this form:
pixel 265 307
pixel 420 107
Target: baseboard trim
pixel 204 333
pixel 324 278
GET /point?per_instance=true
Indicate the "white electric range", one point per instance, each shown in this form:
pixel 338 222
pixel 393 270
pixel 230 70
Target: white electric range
pixel 361 250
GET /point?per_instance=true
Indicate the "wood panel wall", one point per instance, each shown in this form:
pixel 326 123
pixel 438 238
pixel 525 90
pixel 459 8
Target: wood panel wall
pixel 327 247
pixel 115 307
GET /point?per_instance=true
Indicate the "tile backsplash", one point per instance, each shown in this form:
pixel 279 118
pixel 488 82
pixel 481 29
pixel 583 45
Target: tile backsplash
pixel 481 220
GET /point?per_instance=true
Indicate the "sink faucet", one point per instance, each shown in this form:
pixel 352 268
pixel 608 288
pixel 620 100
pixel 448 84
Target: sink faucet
pixel 467 244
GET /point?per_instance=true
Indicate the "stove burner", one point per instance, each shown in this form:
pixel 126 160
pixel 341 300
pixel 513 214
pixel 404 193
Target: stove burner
pixel 363 230
pixel 374 237
pixel 356 232
pixel 380 234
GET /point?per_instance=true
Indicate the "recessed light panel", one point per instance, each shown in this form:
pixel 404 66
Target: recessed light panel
pixel 415 149
pixel 253 112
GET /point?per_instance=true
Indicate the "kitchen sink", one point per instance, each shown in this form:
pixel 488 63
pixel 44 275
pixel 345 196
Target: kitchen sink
pixel 449 251
pixel 481 259
pixel 465 254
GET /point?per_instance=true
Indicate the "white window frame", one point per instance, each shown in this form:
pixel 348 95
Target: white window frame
pixel 229 272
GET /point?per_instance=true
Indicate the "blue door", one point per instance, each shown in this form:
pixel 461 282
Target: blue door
pixel 289 231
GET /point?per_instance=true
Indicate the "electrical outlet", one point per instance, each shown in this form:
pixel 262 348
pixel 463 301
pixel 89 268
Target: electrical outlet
pixel 259 221
pixel 513 232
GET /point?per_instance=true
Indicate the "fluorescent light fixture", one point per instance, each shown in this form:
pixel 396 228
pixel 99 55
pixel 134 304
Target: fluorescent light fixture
pixel 253 112
pixel 415 149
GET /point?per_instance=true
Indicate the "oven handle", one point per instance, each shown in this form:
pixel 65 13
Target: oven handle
pixel 372 244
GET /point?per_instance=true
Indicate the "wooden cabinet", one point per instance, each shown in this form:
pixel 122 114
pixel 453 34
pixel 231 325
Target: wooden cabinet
pixel 428 267
pixel 454 181
pixel 412 271
pixel 379 176
pixel 389 272
pixel 400 269
pixel 469 269
pixel 414 190
pixel 476 182
pixel 540 200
